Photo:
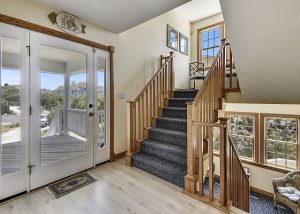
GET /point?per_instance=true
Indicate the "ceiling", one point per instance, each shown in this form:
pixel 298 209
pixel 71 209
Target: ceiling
pixel 199 9
pixel 115 15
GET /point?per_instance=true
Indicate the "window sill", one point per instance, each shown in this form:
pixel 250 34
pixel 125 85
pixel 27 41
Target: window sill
pixel 265 166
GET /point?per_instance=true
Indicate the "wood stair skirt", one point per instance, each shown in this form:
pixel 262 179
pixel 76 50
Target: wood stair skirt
pixel 171 134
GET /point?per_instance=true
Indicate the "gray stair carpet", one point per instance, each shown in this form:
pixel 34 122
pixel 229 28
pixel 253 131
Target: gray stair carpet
pixel 164 153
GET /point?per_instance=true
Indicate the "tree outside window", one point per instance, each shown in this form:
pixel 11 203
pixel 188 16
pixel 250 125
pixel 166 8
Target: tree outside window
pixel 281 141
pixel 242 134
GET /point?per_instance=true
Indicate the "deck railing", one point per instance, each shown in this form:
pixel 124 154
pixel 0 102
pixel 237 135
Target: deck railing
pixel 147 105
pixel 74 121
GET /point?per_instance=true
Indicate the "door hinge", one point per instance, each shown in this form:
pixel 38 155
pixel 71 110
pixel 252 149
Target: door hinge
pixel 29 49
pixel 30 110
pixel 30 168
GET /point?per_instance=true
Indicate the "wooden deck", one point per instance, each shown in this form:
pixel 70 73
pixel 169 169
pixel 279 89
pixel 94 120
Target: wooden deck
pixel 53 148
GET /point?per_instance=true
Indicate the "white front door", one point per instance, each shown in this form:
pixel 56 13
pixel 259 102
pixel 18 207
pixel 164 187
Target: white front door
pixel 14 94
pixel 62 109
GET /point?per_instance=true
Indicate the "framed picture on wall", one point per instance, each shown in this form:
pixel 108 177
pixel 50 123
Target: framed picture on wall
pixel 183 44
pixel 172 38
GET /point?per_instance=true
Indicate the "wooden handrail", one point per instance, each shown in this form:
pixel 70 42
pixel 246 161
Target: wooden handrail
pixel 210 72
pixel 238 181
pixel 167 60
pixel 202 120
pixel 147 105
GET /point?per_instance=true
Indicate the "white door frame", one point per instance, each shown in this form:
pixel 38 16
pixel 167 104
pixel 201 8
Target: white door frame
pixel 17 182
pixel 42 175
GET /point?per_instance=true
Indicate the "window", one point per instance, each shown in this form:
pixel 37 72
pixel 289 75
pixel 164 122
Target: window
pixel 209 41
pixel 281 141
pixel 242 133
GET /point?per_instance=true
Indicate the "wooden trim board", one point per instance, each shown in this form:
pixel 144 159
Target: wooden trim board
pixel 38 28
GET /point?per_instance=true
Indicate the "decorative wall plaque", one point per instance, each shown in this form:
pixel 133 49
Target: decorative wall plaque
pixel 67 22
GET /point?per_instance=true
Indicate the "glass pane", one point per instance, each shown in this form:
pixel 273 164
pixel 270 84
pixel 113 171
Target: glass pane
pixel 217 42
pixel 205 35
pixel 11 106
pixel 211 34
pixel 101 65
pixel 211 43
pixel 204 44
pixel 218 32
pixel 216 50
pixel 63 104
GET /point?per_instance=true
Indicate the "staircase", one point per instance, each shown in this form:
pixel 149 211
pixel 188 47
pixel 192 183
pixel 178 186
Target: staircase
pixel 172 135
pixel 164 153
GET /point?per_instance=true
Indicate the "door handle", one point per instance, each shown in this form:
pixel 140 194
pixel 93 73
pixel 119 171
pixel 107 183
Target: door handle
pixel 91 114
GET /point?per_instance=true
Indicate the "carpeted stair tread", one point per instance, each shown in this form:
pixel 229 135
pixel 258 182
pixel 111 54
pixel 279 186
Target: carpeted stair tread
pixel 181 99
pixel 178 124
pixel 175 112
pixel 176 149
pixel 171 119
pixel 169 132
pixel 175 108
pixel 185 93
pixel 166 151
pixel 167 170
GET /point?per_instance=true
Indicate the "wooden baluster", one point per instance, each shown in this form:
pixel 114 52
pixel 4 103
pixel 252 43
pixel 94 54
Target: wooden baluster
pixel 145 115
pixel 141 118
pixel 211 164
pixel 223 164
pixel 201 161
pixel 231 68
pixel 171 62
pixel 131 135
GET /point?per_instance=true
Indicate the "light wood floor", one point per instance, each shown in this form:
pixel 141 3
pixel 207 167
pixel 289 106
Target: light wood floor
pixel 119 189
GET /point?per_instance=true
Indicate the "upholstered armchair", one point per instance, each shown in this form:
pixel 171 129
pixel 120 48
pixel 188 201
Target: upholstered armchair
pixel 287 191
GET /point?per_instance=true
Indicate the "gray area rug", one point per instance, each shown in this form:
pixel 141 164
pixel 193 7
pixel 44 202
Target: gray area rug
pixel 70 184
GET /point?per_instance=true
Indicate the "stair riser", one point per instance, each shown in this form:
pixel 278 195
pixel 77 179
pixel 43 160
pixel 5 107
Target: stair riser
pixel 166 138
pixel 174 113
pixel 185 94
pixel 176 158
pixel 177 126
pixel 179 181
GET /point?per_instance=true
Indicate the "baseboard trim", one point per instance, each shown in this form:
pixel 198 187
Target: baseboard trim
pixel 119 155
pixel 263 192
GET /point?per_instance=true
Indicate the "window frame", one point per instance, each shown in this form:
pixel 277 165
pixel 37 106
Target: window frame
pixel 263 144
pixel 199 37
pixel 255 156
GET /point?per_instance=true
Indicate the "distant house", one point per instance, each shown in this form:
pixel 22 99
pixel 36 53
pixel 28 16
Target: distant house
pixel 76 89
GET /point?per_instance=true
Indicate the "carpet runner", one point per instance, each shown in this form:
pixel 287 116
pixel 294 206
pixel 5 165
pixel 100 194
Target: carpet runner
pixel 164 154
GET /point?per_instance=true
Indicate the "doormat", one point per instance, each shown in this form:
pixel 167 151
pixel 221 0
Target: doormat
pixel 70 184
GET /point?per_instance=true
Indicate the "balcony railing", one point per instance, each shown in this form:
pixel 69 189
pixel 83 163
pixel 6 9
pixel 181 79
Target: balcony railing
pixel 74 120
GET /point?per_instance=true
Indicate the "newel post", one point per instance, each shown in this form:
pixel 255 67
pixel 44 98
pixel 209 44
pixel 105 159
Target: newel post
pixel 223 163
pixel 190 180
pixel 131 130
pixel 172 69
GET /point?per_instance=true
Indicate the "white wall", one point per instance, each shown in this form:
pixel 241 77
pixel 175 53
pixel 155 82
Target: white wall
pixel 136 56
pixel 264 37
pixel 201 24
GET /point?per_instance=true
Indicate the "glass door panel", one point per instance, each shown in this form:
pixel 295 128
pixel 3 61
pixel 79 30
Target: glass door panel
pixel 11 106
pixel 63 104
pixel 13 118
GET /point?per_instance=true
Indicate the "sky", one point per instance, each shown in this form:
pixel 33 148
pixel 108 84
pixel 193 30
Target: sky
pixel 49 81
